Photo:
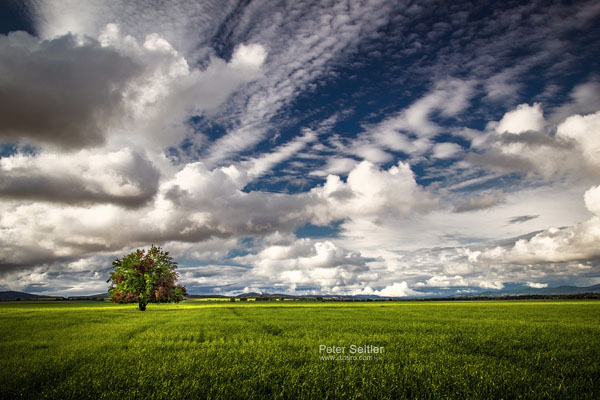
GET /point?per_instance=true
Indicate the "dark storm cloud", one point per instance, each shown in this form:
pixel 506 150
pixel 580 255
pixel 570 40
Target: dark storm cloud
pixel 495 160
pixel 123 178
pixel 522 218
pixel 479 203
pixel 532 139
pixel 499 155
pixel 59 91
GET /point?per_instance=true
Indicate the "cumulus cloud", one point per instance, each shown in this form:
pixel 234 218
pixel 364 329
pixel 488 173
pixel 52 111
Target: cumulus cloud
pixel 536 285
pixel 397 290
pixel 584 99
pixel 522 119
pixel 248 57
pixel 585 131
pixel 446 150
pixel 211 203
pixel 306 263
pixel 74 92
pixel 592 200
pixel 446 281
pixel 185 24
pixel 194 204
pixel 518 145
pixel 556 245
pixel 370 192
pixel 169 92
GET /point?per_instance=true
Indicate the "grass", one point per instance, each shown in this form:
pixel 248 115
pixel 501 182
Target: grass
pixel 200 349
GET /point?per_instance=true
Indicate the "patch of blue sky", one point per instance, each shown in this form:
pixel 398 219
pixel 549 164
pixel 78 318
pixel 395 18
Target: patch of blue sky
pixel 309 230
pixel 8 149
pixel 14 17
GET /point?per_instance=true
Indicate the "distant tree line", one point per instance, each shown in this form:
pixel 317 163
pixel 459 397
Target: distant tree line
pixel 579 296
pixel 460 298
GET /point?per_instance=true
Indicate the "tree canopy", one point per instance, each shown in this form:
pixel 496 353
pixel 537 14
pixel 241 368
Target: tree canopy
pixel 145 277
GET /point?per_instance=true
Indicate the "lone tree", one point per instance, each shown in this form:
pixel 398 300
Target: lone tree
pixel 145 277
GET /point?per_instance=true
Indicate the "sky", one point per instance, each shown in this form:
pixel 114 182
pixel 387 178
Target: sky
pixel 391 148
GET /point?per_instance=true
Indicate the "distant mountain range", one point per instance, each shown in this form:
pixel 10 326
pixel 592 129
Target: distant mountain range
pixel 13 295
pixel 560 290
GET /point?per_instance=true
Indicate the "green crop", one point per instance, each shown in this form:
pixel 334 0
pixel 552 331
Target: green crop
pixel 222 350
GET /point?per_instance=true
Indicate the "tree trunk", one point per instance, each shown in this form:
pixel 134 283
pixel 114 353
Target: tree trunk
pixel 142 306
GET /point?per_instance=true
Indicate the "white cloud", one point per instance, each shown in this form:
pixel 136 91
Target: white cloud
pixel 536 285
pixel 496 285
pixel 213 277
pixel 370 192
pixel 304 45
pixel 248 57
pixel 411 130
pixel 336 166
pixel 259 165
pixel 592 200
pixel 372 153
pixel 169 92
pixel 446 150
pixel 451 250
pixel 449 98
pixel 585 131
pixel 519 146
pixel 523 119
pixel 585 99
pixel 75 94
pixel 193 204
pixel 445 281
pixel 555 245
pixel 397 290
pixel 306 263
pixel 186 24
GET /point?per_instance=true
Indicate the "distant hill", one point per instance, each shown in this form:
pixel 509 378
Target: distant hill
pixel 251 294
pixel 92 296
pixel 12 295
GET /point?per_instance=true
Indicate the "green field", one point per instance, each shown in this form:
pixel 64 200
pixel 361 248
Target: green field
pixel 488 349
